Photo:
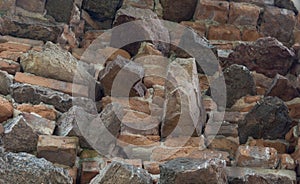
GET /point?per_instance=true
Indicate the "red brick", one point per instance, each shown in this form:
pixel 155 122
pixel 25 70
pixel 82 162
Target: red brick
pixel 250 34
pixel 6 110
pixel 62 86
pixel 42 110
pixel 212 10
pixel 224 32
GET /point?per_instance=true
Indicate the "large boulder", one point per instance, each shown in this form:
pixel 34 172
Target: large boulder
pixel 184 111
pixel 267 56
pixel 269 119
pixel 122 173
pixel 27 169
pixel 187 170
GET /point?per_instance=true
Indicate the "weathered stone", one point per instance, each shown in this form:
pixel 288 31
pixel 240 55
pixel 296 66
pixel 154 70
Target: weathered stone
pixel 9 66
pixel 280 145
pixel 102 10
pixel 121 173
pixel 262 3
pixel 126 139
pixel 239 83
pixel 26 27
pixel 259 175
pixel 196 142
pixel 177 10
pixel 286 4
pixel 140 123
pixel 198 26
pixel 294 106
pixel 287 162
pixel 250 34
pixel 38 124
pixel 7 5
pixel 44 111
pixel 224 32
pixel 32 6
pixel 122 78
pixel 19 136
pixel 144 25
pixel 269 119
pixel 60 10
pixel 262 83
pixel 61 67
pixel 253 156
pixel 212 10
pixel 278 23
pixel 184 113
pixel 282 88
pixel 185 170
pixel 89 169
pixel 6 109
pixel 60 150
pixel 26 168
pixel 25 93
pixel 152 167
pixel 228 144
pixel 243 14
pixel 244 106
pixel 267 56
pixel 221 128
pixel 155 69
pixel 145 4
pixel 6 81
pixel 68 125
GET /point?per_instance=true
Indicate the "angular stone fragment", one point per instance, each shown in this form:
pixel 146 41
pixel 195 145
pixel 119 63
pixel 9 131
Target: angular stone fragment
pixel 60 150
pixel 224 32
pixel 294 106
pixel 44 111
pixel 144 26
pixel 280 145
pixel 267 56
pixel 278 23
pixel 145 4
pixel 9 66
pixel 121 173
pixel 253 156
pixel 196 171
pixel 178 10
pixel 258 175
pixel 122 78
pixel 60 10
pixel 282 88
pixel 89 169
pixel 19 136
pixel 6 109
pixel 25 93
pixel 6 81
pixel 243 14
pixel 287 162
pixel 212 10
pixel 26 168
pixel 38 124
pixel 239 83
pixel 184 113
pixel 287 4
pixel 269 119
pixel 32 6
pixel 65 87
pixel 26 27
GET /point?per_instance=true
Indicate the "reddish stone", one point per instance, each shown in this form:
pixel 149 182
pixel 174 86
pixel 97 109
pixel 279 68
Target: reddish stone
pixel 138 140
pixel 212 10
pixel 253 156
pixel 89 169
pixel 278 23
pixel 224 32
pixel 243 14
pixel 152 167
pixel 42 110
pixel 6 109
pixel 198 26
pixel 286 162
pixel 62 86
pixel 250 34
pixel 294 108
pixel 280 145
